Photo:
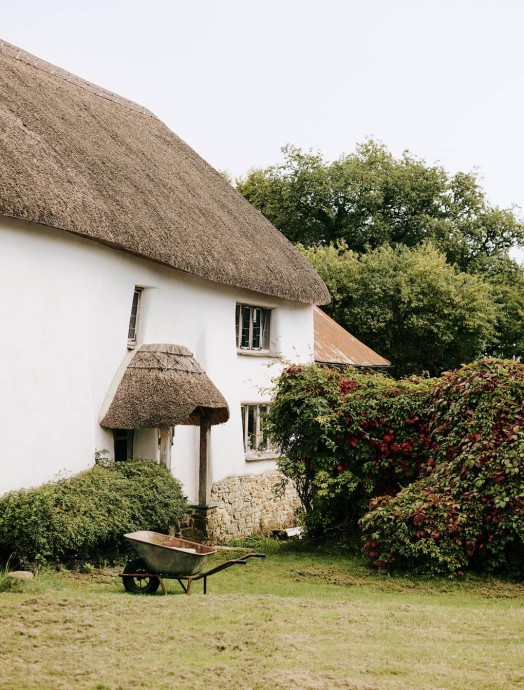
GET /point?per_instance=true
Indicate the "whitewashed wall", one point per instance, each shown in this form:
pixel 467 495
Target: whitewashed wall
pixel 64 314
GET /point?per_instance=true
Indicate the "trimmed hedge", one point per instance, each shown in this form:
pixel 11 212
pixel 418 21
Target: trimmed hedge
pixel 83 516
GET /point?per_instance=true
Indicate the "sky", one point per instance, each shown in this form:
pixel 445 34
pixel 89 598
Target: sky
pixel 238 79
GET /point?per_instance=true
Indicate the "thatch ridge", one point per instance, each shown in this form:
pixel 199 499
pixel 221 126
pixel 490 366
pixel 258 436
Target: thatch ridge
pixel 37 62
pixel 163 385
pixel 78 158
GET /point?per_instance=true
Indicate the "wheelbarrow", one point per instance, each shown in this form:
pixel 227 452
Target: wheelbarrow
pixel 165 557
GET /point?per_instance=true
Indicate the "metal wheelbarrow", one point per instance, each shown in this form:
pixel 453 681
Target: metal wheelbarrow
pixel 164 557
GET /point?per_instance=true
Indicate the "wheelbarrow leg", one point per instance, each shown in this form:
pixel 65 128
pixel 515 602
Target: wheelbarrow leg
pixel 162 584
pixel 182 585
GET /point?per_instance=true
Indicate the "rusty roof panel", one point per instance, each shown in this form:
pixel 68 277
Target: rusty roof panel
pixel 334 345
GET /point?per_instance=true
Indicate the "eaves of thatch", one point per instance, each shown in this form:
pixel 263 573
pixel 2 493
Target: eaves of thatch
pixel 76 157
pixel 162 386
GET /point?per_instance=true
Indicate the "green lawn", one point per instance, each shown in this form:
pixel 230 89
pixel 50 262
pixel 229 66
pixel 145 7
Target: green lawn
pixel 303 618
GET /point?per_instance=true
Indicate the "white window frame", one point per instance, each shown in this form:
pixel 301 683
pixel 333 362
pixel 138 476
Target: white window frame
pixel 134 318
pixel 256 313
pixel 256 447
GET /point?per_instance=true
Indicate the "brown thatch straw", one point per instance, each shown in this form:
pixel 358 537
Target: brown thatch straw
pixel 162 386
pixel 76 157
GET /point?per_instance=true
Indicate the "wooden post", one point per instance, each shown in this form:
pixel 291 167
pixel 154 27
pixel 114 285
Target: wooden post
pixel 205 425
pixel 166 436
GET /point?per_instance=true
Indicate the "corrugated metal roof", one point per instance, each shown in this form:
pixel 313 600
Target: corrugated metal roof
pixel 334 345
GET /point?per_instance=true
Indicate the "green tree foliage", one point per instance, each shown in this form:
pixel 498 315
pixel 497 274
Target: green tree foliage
pixel 367 201
pixel 506 279
pixel 81 517
pixel 370 198
pixel 410 305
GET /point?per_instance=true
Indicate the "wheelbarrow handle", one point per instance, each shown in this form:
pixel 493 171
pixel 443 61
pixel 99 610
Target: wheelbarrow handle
pixel 252 555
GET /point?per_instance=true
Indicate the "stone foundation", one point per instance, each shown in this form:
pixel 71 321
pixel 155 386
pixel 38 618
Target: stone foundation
pixel 195 525
pixel 249 505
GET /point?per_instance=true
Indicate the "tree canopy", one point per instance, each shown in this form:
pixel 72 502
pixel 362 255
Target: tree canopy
pixel 369 198
pixel 415 258
pixel 410 305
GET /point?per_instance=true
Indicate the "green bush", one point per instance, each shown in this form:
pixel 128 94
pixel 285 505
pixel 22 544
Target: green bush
pixel 470 511
pixel 87 514
pixel 346 438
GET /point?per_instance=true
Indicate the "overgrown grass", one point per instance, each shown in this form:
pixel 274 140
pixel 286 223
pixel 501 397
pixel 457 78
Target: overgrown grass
pixel 306 617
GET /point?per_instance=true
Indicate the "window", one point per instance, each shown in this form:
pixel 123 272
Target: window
pixel 252 327
pixel 256 443
pixel 133 319
pixel 123 439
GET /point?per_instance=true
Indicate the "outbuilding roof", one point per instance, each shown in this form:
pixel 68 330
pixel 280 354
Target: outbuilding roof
pixel 335 345
pixel 79 158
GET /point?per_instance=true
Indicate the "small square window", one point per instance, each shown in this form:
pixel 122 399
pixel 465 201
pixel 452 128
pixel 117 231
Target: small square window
pixel 134 318
pixel 256 441
pixel 252 327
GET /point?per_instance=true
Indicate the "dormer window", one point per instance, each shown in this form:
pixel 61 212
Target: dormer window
pixel 252 327
pixel 134 318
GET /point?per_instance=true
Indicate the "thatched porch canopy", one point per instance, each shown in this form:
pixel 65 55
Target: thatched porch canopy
pixel 163 386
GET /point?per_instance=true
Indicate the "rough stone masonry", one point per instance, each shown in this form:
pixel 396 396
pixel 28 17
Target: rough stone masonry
pixel 252 504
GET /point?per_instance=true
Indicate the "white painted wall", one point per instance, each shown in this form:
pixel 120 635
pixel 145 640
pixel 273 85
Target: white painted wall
pixel 64 313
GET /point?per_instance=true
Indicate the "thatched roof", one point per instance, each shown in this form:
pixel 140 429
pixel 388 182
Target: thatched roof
pixel 334 345
pixel 162 386
pixel 76 157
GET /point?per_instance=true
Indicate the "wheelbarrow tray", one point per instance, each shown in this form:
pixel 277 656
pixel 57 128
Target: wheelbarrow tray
pixel 169 556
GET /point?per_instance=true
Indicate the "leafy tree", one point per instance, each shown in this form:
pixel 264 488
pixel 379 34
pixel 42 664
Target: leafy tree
pixel 369 198
pixel 507 286
pixel 410 305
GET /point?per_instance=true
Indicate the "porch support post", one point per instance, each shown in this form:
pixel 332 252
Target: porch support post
pixel 166 437
pixel 205 425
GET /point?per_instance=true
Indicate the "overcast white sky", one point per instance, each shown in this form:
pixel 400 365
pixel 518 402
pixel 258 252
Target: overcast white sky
pixel 237 79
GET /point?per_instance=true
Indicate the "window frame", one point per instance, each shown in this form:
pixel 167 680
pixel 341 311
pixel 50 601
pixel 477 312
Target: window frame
pixel 262 449
pixel 254 312
pixel 134 318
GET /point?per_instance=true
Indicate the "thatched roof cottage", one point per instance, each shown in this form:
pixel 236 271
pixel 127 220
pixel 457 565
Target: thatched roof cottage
pixel 143 298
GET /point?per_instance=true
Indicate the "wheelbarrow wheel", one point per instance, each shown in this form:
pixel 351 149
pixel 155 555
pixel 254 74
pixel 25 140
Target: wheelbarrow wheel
pixel 139 584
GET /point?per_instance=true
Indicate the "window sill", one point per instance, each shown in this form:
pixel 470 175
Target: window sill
pixel 253 456
pixel 258 353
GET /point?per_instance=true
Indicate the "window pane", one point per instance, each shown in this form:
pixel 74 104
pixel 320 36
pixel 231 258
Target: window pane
pixel 246 318
pixel 257 326
pixel 243 411
pixel 237 324
pixel 251 427
pixel 133 319
pixel 266 316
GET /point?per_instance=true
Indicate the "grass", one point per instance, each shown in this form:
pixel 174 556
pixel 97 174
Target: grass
pixel 305 618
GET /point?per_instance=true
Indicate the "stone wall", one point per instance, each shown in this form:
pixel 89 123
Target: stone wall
pixel 251 504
